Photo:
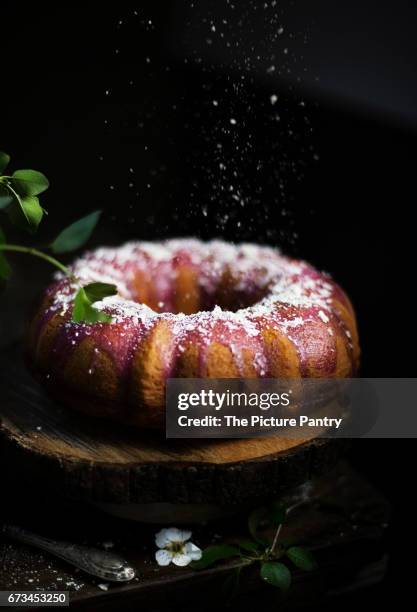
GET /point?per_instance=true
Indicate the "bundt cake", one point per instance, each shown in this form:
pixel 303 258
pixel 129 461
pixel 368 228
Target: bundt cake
pixel 187 308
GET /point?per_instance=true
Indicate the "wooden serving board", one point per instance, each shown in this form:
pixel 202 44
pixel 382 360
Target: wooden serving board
pixel 103 462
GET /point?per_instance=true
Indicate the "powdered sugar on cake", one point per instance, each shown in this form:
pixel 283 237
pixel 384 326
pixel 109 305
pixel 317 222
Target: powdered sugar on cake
pixel 285 281
pixel 294 292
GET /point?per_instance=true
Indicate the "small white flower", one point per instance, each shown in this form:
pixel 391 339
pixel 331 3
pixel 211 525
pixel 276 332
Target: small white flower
pixel 174 546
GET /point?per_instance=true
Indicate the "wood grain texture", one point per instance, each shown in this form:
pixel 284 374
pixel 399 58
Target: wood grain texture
pixel 94 460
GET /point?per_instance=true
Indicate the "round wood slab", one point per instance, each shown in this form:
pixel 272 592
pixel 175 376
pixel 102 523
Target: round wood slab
pixel 102 462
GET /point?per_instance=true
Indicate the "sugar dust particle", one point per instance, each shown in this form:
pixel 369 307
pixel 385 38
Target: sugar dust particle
pixel 280 30
pixel 213 28
pixel 270 69
pixel 233 121
pixel 286 51
pixel 215 103
pixel 273 99
pixel 323 316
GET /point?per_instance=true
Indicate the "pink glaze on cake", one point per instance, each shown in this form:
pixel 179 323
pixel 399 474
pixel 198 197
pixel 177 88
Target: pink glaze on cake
pixel 192 309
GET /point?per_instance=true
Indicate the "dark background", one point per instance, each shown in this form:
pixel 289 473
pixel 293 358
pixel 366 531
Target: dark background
pixel 117 105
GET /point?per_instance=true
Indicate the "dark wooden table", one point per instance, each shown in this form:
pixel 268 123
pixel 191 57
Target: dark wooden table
pixel 344 524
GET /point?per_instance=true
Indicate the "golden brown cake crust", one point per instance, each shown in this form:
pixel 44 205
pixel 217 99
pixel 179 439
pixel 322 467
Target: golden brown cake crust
pixel 186 308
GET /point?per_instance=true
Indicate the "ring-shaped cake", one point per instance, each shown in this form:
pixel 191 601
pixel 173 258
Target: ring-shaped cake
pixel 187 308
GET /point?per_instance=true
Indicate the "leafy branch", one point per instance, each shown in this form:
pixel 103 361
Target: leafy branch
pixel 271 556
pixel 19 200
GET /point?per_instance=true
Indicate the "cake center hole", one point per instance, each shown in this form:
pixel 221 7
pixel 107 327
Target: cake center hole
pixel 184 293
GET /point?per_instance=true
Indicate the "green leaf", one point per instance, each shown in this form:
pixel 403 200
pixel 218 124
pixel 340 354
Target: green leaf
pixel 6 197
pixel 33 211
pixel 98 291
pixel 84 312
pixel 215 553
pixel 248 545
pixel 83 309
pixel 302 558
pixel 26 213
pixel 29 182
pixel 276 574
pixel 5 269
pixel 4 161
pixel 76 234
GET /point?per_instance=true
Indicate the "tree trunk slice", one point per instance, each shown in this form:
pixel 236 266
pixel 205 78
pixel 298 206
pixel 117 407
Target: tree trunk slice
pixel 102 462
